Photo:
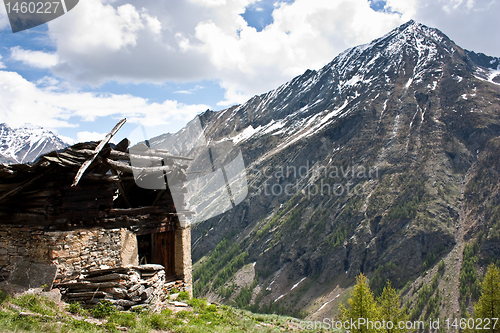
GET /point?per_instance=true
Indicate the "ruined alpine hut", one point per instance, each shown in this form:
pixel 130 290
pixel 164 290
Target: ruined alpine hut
pixel 81 212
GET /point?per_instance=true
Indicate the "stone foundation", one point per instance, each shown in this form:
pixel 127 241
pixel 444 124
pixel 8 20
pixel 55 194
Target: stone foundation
pixel 80 252
pixel 71 251
pixel 183 264
pixel 125 287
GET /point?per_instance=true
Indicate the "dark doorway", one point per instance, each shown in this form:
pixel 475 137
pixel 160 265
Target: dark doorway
pixel 144 246
pixel 158 248
pixel 163 246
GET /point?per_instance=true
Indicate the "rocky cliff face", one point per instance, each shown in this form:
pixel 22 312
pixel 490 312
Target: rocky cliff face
pixel 380 163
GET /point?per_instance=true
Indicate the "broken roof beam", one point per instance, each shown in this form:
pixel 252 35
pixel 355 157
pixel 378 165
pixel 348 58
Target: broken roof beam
pixel 122 221
pixel 124 167
pixel 144 150
pixel 97 150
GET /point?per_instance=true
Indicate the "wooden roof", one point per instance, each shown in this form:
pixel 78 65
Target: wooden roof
pixel 91 185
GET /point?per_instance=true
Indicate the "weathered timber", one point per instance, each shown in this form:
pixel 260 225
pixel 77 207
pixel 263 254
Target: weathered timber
pixel 97 150
pixel 87 285
pixel 90 294
pixel 108 277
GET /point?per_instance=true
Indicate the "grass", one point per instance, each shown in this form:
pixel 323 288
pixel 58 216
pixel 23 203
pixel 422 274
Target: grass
pixel 46 316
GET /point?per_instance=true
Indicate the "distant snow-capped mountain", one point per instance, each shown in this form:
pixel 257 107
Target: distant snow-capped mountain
pixel 26 143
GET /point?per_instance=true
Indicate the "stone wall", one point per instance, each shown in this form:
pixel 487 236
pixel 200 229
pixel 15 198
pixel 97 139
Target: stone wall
pixel 183 264
pixel 81 251
pixel 70 251
pixel 126 287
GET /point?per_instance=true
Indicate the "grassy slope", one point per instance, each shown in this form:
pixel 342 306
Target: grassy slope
pixel 31 313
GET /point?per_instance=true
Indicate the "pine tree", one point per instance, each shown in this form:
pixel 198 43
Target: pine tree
pixel 361 306
pixel 390 311
pixel 488 305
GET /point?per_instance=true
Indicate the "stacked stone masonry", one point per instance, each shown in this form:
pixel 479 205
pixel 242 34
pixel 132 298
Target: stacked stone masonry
pixel 78 253
pixel 126 287
pixel 71 251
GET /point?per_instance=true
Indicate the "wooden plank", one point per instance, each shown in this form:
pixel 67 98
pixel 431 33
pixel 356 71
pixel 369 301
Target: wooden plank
pixel 8 187
pixel 124 167
pixel 108 277
pixel 97 150
pixel 163 251
pixel 58 160
pixel 21 187
pixel 101 178
pixel 118 155
pixel 107 271
pixel 87 285
pixel 160 153
pixel 147 231
pixel 88 224
pixel 85 294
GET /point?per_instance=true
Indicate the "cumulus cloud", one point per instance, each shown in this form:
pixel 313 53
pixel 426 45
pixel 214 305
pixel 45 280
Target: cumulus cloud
pixel 36 59
pixel 190 91
pixel 205 39
pixel 86 136
pixel 304 34
pixel 99 41
pixel 467 22
pixel 1 63
pixel 192 40
pixel 47 107
pixel 4 19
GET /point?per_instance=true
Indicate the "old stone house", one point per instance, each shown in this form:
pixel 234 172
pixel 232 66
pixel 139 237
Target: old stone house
pixel 81 211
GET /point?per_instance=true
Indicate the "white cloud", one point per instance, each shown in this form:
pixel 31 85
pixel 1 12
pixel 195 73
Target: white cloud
pixel 305 34
pixel 153 23
pixel 67 139
pixel 4 19
pixel 192 40
pixel 98 41
pixel 22 100
pixel 96 28
pixel 233 96
pixel 468 23
pixel 86 136
pixel 206 39
pixel 190 91
pixel 1 63
pixel 36 59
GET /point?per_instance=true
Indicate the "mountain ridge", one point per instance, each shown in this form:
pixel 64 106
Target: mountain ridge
pixel 24 144
pixel 413 104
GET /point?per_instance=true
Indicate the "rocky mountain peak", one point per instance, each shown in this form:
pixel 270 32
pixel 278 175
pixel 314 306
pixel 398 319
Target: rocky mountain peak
pixel 409 55
pixel 412 105
pixel 26 143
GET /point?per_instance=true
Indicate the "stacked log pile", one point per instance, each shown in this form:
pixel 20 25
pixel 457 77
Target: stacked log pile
pixel 125 287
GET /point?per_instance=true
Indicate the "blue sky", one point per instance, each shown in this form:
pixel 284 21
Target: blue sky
pixel 159 63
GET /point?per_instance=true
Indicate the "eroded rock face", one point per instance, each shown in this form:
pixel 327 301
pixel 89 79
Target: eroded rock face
pixel 414 108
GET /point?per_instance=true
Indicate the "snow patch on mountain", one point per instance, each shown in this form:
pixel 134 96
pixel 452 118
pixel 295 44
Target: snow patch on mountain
pixel 26 143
